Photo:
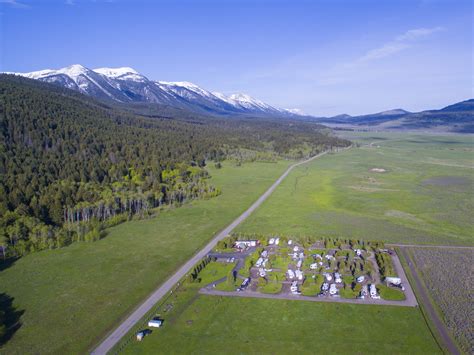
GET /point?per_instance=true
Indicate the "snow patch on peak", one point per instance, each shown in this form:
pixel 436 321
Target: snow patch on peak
pixel 184 84
pixel 116 72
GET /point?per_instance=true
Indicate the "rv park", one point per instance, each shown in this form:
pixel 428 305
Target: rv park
pixel 324 271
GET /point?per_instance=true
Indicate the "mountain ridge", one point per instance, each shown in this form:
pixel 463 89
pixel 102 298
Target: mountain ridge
pixel 126 85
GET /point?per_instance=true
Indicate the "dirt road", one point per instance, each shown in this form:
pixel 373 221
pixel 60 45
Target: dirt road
pixel 114 337
pixel 254 294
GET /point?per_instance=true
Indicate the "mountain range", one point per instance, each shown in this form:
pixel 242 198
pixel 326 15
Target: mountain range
pixel 457 118
pixel 131 90
pixel 126 85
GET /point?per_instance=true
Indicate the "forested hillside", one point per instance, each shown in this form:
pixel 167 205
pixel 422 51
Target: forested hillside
pixel 70 166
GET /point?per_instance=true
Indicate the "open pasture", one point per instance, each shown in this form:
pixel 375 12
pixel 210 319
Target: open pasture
pixel 264 326
pixel 393 187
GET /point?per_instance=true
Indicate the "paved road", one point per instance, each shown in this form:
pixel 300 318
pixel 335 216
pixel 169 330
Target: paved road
pixel 409 294
pixel 425 300
pixel 114 337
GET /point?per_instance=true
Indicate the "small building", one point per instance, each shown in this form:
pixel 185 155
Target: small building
pixel 155 323
pixel 277 241
pixel 333 290
pixel 299 274
pixel 328 277
pixel 313 266
pixel 271 241
pixel 290 242
pixel 337 278
pixel 296 248
pixel 360 279
pixel 291 274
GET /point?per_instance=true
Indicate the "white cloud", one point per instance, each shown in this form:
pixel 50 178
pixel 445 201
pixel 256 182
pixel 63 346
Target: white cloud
pixel 399 44
pixel 412 35
pixel 15 3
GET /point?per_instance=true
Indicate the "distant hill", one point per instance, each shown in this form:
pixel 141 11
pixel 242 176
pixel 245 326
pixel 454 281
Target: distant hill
pixel 458 118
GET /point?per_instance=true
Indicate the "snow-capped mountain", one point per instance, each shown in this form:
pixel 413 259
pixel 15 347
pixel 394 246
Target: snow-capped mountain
pixel 126 85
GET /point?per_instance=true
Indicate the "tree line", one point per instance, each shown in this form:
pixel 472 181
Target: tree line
pixel 70 166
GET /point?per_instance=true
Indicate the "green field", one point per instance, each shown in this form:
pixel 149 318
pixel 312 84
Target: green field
pixel 212 325
pixel 425 195
pixel 72 296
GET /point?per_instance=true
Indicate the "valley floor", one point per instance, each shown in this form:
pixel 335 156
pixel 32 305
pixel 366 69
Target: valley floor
pixel 71 297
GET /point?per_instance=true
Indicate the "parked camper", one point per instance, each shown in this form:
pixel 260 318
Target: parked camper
pixel 337 277
pixel 394 281
pixel 277 241
pixel 294 287
pixel 291 274
pixel 140 335
pixel 313 266
pixel 299 264
pixel 290 242
pixel 243 244
pixel 271 241
pixel 325 286
pixel 244 284
pixel 358 252
pixel 360 279
pixel 317 256
pixel 328 277
pixel 299 274
pixel 155 323
pixel 373 292
pixel 333 290
pixel 264 254
pixel 259 262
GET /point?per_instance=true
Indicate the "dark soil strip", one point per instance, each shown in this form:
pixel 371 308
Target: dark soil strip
pixel 425 301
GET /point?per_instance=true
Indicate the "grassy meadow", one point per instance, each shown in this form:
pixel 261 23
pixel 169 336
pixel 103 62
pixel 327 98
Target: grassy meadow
pixel 71 297
pixel 211 324
pixel 424 194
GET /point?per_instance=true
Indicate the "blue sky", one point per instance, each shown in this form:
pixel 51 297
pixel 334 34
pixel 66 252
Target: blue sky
pixel 324 57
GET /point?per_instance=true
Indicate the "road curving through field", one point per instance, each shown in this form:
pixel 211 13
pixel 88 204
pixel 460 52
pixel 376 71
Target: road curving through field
pixel 114 337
